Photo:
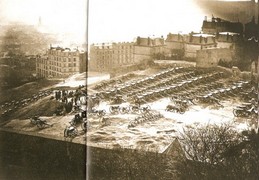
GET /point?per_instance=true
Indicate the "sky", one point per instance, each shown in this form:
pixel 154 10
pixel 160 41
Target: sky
pixel 64 16
pixel 109 20
pixel 124 20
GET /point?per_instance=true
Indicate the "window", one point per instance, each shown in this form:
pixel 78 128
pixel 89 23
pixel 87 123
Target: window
pixel 74 59
pixel 74 64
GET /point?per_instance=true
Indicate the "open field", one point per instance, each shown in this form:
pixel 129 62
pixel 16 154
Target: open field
pixel 152 129
pixel 156 91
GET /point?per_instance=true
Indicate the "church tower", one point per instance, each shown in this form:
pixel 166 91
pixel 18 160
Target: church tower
pixel 39 22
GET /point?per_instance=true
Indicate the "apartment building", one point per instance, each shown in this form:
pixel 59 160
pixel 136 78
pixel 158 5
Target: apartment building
pixel 106 56
pixel 61 62
pixel 109 56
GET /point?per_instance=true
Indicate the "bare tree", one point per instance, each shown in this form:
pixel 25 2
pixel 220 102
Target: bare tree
pixel 205 149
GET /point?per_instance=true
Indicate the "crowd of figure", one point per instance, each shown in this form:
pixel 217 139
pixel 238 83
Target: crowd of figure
pixel 71 100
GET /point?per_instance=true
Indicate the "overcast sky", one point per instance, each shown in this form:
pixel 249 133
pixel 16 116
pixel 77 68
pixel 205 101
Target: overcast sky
pixel 123 20
pixel 109 20
pixel 65 16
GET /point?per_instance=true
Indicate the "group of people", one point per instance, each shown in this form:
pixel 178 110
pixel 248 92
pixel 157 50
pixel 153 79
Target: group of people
pixel 71 100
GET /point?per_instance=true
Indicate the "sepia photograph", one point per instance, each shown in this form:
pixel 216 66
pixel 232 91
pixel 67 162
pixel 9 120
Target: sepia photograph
pixel 129 89
pixel 172 89
pixel 43 89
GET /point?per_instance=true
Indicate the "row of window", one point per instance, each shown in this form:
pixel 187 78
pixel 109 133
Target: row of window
pixel 54 74
pixel 115 47
pixel 64 59
pixel 113 52
pixel 63 64
pixel 63 69
pixel 58 66
pixel 63 53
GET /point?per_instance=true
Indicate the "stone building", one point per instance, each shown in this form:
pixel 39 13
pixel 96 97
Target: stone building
pixel 210 57
pixel 195 42
pixel 232 10
pixel 217 25
pixel 109 56
pixel 106 56
pixel 174 46
pixel 228 40
pixel 148 48
pixel 61 62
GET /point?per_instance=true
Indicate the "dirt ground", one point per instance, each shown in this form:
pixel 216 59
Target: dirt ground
pixel 152 136
pixel 25 91
pixel 158 135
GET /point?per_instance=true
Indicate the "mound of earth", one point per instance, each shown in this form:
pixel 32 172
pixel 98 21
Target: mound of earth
pixel 43 107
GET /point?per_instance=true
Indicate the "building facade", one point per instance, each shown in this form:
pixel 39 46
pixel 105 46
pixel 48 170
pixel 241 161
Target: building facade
pixel 106 56
pixel 195 42
pixel 174 46
pixel 228 40
pixel 210 57
pixel 61 62
pixel 109 56
pixel 217 25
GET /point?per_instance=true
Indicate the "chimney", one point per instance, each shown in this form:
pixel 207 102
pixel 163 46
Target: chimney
pixel 149 41
pixel 138 40
pixel 190 40
pixel 205 19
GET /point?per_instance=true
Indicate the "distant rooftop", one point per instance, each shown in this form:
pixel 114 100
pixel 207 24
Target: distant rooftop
pixel 202 35
pixel 229 33
pixel 65 49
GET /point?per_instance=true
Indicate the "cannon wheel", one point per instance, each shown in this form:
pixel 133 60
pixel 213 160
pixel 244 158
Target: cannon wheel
pixel 33 121
pixel 112 111
pixel 196 100
pixel 134 109
pixel 124 110
pixel 101 113
pixel 41 125
pixel 169 108
pixel 145 109
pixel 181 110
pixel 74 133
pixel 236 113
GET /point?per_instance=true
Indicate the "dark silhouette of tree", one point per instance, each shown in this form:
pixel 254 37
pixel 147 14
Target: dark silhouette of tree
pixel 218 152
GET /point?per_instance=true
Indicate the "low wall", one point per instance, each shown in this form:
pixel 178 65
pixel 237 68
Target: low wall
pixel 27 157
